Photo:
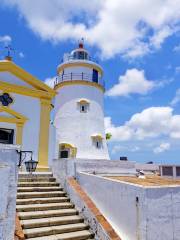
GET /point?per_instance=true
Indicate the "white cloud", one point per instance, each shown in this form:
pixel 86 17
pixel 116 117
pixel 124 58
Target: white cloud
pixel 150 123
pixel 177 48
pixel 134 81
pixel 21 55
pixel 50 81
pixel 120 148
pixel 177 69
pixel 160 36
pixel 5 39
pixel 176 99
pixel 162 148
pixel 132 28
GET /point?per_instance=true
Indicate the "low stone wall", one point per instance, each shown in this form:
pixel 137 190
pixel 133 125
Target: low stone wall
pixel 93 217
pixel 63 168
pixel 8 190
pixel 134 211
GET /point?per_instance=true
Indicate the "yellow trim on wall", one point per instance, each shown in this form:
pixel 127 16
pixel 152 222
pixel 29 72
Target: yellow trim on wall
pixel 97 136
pixel 79 82
pixel 80 64
pixel 83 101
pixel 73 149
pixel 17 119
pixel 44 133
pixel 9 66
pixel 19 133
pixel 8 87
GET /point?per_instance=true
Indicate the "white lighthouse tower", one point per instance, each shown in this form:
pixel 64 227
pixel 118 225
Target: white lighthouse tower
pixel 79 107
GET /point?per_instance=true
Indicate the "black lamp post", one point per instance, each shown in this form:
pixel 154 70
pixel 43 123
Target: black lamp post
pixel 31 165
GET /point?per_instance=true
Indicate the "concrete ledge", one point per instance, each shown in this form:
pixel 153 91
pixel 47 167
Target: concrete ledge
pixel 98 223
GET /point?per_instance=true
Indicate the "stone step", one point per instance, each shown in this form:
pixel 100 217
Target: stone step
pixel 40 179
pixel 52 221
pixel 40 194
pixel 35 175
pixel 41 200
pixel 79 235
pixel 37 184
pixel 39 207
pixel 39 189
pixel 47 213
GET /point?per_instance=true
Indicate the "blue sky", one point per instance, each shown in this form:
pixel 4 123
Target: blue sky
pixel 138 45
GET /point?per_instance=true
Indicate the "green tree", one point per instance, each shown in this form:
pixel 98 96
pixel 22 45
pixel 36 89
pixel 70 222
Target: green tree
pixel 108 136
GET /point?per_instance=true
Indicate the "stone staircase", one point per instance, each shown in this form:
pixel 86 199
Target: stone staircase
pixel 45 211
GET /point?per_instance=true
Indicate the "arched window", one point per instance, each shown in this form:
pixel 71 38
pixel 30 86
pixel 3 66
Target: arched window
pixel 83 105
pixel 97 140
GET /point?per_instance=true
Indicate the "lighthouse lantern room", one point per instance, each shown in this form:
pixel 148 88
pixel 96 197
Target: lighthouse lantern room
pixel 79 107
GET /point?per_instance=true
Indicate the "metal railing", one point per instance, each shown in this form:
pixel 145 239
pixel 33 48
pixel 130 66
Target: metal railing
pixel 78 76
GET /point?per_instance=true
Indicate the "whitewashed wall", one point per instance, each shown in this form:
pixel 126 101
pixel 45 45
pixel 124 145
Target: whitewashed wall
pixel 8 190
pixel 135 212
pixel 30 108
pixel 76 128
pixel 10 78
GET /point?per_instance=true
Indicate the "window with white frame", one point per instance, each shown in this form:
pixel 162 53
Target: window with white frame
pixel 83 108
pixel 83 105
pixel 97 141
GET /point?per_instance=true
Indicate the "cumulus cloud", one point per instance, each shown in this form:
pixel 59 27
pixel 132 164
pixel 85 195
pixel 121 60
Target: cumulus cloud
pixel 5 39
pixel 50 81
pixel 177 48
pixel 177 69
pixel 150 123
pixel 162 148
pixel 176 99
pixel 120 148
pixel 21 55
pixel 133 81
pixel 132 28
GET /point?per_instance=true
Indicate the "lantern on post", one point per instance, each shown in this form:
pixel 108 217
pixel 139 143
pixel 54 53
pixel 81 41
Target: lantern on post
pixel 31 165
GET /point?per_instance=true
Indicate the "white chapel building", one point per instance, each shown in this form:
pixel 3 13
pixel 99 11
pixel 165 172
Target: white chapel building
pixel 77 130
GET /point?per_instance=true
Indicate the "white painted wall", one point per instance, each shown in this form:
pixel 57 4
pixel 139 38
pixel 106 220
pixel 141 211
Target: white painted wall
pixel 155 216
pixel 76 128
pixel 8 190
pixel 8 77
pixel 30 108
pixel 52 144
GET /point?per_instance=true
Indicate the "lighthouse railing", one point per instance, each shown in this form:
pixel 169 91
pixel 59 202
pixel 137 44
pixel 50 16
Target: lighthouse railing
pixel 78 76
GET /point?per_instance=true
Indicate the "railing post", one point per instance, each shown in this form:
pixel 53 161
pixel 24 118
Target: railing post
pixel 71 76
pixel 82 75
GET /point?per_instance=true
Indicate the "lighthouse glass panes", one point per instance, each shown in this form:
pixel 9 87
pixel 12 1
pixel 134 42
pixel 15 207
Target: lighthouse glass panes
pixel 80 55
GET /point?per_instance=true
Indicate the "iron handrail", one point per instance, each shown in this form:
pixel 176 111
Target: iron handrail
pixel 77 76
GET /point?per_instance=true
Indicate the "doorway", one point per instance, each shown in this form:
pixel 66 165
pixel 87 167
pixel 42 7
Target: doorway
pixel 64 154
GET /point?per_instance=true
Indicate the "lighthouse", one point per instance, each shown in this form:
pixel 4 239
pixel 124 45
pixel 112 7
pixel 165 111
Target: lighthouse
pixel 79 107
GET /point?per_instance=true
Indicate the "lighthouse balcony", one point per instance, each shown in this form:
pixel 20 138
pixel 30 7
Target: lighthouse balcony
pixel 79 77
